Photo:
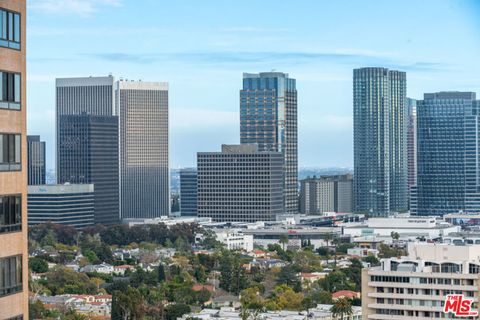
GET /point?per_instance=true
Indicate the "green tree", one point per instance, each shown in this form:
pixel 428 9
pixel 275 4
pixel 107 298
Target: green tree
pixel 341 307
pixel 161 273
pixel 175 311
pixel 372 260
pixel 49 239
pixel 288 276
pixel 232 274
pixel 128 305
pixel 37 265
pixel 251 299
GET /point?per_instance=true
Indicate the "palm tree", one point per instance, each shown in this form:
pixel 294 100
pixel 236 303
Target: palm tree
pixel 395 236
pixel 335 242
pixel 283 240
pixel 341 307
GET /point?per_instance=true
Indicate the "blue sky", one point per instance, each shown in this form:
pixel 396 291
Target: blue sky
pixel 202 47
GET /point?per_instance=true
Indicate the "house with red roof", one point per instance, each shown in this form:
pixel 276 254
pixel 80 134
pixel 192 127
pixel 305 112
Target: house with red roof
pixel 345 294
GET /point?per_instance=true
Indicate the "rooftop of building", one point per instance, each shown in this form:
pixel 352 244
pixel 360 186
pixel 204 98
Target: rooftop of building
pixel 450 95
pixel 61 188
pixel 272 74
pixel 435 258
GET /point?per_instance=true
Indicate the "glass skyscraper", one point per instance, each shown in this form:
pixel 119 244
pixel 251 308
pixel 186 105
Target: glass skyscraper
pixel 188 192
pixel 88 153
pixel 268 118
pixel 448 177
pixel 380 152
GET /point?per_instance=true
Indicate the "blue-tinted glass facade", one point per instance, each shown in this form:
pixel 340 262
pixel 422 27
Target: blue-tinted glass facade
pixel 380 140
pixel 447 153
pixel 268 117
pixel 188 192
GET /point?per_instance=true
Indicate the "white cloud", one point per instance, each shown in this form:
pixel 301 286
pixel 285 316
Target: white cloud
pixel 79 7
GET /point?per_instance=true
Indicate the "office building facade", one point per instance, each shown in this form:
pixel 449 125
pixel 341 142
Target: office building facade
pixel 36 160
pixel 87 140
pixel 380 141
pixel 416 286
pixel 240 183
pixel 412 142
pixel 88 154
pixel 188 192
pixel 67 204
pixel 268 117
pixel 13 162
pixel 447 153
pixel 144 155
pixel 326 194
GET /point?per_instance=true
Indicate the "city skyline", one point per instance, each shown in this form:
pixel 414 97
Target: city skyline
pixel 216 50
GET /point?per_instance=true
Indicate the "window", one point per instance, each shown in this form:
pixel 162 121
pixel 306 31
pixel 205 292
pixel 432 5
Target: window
pixel 10 159
pixel 10 275
pixel 10 213
pixel 9 29
pixel 10 90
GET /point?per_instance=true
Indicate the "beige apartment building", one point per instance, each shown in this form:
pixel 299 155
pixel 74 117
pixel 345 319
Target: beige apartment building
pixel 13 162
pixel 415 287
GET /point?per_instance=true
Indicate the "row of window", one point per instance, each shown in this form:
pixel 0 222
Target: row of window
pixel 10 275
pixel 10 213
pixel 10 93
pixel 9 29
pixel 10 152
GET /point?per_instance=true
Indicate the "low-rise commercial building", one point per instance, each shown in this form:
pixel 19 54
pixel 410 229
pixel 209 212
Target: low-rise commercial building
pixel 67 204
pixel 408 228
pixel 297 237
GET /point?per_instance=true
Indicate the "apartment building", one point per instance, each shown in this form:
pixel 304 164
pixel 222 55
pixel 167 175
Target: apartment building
pixel 13 162
pixel 416 286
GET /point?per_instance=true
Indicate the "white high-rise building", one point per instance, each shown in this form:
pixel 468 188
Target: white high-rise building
pixel 416 286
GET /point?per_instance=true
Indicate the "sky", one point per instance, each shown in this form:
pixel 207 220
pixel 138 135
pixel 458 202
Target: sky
pixel 202 48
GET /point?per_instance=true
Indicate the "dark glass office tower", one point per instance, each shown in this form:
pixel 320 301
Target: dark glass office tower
pixel 89 96
pixel 447 153
pixel 380 152
pixel 36 160
pixel 88 154
pixel 144 157
pixel 188 192
pixel 268 117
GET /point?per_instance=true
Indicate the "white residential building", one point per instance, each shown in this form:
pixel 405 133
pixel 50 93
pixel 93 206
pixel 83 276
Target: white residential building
pixel 416 286
pixel 232 239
